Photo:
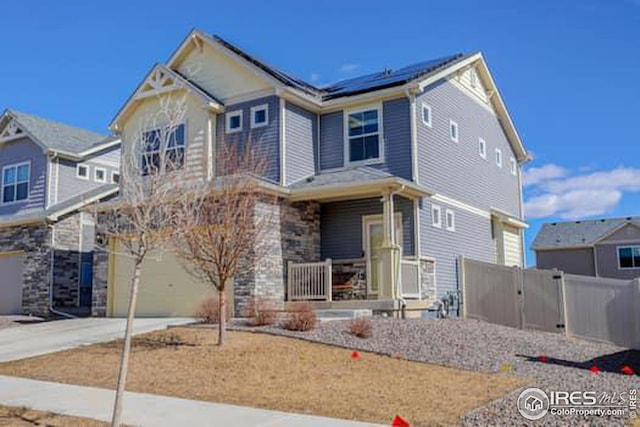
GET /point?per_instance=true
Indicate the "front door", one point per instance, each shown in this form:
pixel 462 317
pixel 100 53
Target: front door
pixel 373 238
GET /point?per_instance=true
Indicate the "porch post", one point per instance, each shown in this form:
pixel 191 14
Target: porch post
pixel 390 252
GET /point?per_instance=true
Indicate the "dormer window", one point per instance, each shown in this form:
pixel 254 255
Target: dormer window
pixel 259 116
pixel 82 171
pixel 364 140
pixel 15 182
pixel 234 121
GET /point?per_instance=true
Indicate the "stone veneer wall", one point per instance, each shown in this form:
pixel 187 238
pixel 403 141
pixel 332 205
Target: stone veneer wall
pixel 34 240
pixel 99 290
pixel 292 234
pixel 66 270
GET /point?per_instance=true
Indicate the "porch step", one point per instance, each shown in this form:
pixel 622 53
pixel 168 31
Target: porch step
pixel 328 315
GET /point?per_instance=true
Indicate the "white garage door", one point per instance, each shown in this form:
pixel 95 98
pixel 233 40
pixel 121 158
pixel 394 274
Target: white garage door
pixel 166 288
pixel 11 277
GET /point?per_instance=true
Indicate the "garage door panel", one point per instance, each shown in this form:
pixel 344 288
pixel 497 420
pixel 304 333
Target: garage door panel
pixel 11 281
pixel 167 288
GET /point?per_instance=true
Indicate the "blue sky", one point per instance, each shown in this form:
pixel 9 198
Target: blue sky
pixel 569 70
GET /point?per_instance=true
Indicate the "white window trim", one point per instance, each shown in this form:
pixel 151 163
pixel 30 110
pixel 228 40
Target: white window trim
pixel 451 125
pixel 451 227
pixel 380 158
pixel 263 107
pixel 632 247
pixel 482 143
pixel 113 173
pixel 426 107
pixel 473 78
pixel 86 177
pixel 513 166
pixel 228 116
pixel 95 174
pixel 15 165
pixel 439 209
pixel 498 156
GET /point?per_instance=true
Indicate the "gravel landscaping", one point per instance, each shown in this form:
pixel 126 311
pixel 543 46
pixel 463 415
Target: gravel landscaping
pixel 480 346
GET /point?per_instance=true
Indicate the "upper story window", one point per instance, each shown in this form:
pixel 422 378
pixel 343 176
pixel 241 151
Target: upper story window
pixel 100 175
pixel 82 171
pixel 513 166
pixel 259 116
pixel 436 216
pixel 115 177
pixel 453 130
pixel 426 115
pixel 163 149
pixel 450 217
pixel 234 121
pixel 629 257
pixel 498 157
pixel 482 148
pixel 364 135
pixel 15 182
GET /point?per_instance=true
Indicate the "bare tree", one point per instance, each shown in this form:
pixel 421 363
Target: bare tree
pixel 139 221
pixel 224 222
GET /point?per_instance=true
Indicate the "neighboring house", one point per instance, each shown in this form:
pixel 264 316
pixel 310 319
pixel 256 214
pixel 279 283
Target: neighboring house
pixel 598 247
pixel 392 176
pixel 49 171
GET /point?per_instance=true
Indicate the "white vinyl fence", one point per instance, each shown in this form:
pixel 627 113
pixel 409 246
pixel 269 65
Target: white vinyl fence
pixel 598 309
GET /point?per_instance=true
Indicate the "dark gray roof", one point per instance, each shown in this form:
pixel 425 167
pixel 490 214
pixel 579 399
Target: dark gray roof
pixel 58 136
pixel 83 197
pixel 376 81
pixel 358 174
pixel 578 233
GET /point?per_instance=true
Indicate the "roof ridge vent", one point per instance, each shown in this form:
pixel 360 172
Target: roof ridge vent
pixel 387 71
pixel 629 218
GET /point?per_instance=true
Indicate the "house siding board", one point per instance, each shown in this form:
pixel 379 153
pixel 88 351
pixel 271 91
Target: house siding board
pixel 331 140
pixel 456 169
pixel 607 258
pixel 471 238
pixel 23 150
pixel 301 139
pixel 572 261
pixel 69 185
pixel 341 226
pixel 396 124
pixel 265 140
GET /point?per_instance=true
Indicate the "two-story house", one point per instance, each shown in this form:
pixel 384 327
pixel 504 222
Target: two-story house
pixel 49 172
pixel 608 247
pixel 384 180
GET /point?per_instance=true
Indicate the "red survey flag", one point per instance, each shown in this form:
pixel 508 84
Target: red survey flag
pixel 542 358
pixel 355 355
pixel 398 421
pixel 594 369
pixel 627 370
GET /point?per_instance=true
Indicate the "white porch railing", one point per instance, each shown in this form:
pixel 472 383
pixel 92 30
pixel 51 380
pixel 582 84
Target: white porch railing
pixel 309 281
pixel 409 278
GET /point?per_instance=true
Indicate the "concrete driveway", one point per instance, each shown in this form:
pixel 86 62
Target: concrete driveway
pixel 33 340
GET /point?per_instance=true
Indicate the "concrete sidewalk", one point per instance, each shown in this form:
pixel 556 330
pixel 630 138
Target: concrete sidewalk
pixel 149 410
pixel 24 341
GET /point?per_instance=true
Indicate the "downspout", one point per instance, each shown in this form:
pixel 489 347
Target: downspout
pixel 52 227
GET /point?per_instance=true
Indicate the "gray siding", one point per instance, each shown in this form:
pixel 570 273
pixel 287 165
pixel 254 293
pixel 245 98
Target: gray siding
pixel 572 261
pixel 19 151
pixel 69 185
pixel 341 226
pixel 331 140
pixel 607 259
pixel 471 238
pixel 456 169
pixel 396 128
pixel 265 140
pixel 301 136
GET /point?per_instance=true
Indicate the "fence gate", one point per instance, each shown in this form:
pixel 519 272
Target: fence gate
pixel 511 296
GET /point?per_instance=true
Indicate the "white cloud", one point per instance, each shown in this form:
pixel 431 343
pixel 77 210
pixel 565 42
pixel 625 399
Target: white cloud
pixel 553 192
pixel 348 68
pixel 533 176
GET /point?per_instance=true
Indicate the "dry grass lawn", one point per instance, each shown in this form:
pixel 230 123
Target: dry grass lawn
pixel 19 417
pixel 276 373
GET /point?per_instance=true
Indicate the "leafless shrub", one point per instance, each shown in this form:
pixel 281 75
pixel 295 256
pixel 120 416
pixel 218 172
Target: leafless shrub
pixel 262 312
pixel 361 327
pixel 209 311
pixel 300 317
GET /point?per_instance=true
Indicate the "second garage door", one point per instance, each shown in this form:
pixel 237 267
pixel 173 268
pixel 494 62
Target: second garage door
pixel 166 288
pixel 11 279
